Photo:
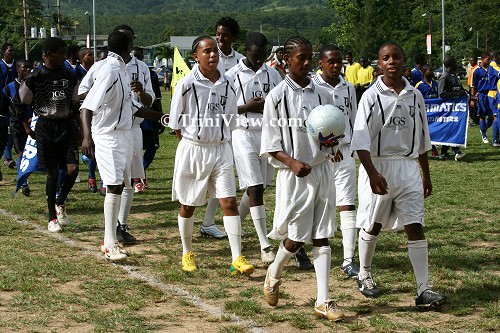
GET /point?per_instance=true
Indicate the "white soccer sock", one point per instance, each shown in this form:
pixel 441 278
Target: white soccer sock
pixel 366 249
pixel 209 218
pixel 232 225
pixel 244 207
pixel 259 221
pixel 282 257
pixel 127 197
pixel 419 256
pixel 349 234
pixel 322 261
pixel 186 231
pixel 111 209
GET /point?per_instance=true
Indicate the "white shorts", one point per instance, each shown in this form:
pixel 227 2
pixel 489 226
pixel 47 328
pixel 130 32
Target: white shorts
pixel 305 206
pixel 201 168
pixel 137 169
pixel 345 178
pixel 113 156
pixel 252 169
pixel 403 205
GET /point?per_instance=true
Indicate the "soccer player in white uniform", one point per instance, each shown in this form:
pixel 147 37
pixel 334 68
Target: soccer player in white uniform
pixel 390 133
pixel 202 105
pixel 344 96
pixel 226 32
pixel 305 197
pixel 142 92
pixel 253 80
pixel 106 115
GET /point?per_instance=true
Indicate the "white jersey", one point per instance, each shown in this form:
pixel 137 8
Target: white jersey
pixel 226 62
pixel 88 80
pixel 344 97
pixel 110 97
pixel 389 125
pixel 249 84
pixel 284 122
pixel 202 110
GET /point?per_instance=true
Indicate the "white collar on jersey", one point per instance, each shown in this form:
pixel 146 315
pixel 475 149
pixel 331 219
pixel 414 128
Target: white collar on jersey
pixel 382 87
pixel 200 77
pixel 319 80
pixel 242 67
pixel 221 54
pixel 116 58
pixel 295 86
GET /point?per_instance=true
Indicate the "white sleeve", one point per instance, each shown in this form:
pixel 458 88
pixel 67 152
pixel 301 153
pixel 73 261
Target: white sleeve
pixel 148 88
pixel 177 106
pixel 271 134
pixel 97 93
pixel 361 139
pixel 425 142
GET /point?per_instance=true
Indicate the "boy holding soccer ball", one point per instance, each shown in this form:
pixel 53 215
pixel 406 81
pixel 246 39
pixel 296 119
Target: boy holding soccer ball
pixel 305 199
pixel 390 133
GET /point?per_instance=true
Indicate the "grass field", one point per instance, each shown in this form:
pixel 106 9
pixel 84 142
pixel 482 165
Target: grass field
pixel 61 283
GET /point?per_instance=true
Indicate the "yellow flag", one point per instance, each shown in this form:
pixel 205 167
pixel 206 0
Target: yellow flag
pixel 180 69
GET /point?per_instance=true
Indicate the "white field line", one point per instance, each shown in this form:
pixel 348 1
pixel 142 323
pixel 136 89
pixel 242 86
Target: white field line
pixel 134 272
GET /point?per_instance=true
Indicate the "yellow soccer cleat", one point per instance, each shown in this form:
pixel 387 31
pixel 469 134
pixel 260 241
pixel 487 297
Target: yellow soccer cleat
pixel 188 262
pixel 241 265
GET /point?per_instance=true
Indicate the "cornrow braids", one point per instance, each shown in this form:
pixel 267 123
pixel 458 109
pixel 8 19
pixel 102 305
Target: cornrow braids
pixel 197 41
pixel 292 42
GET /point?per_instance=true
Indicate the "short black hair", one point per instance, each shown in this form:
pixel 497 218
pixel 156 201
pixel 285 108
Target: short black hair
pixel 124 27
pixel 327 48
pixel 391 43
pixel 22 62
pixel 6 45
pixel 53 44
pixel 118 42
pixel 419 59
pixel 197 41
pixel 255 38
pixel 230 23
pixel 72 50
pixel 449 61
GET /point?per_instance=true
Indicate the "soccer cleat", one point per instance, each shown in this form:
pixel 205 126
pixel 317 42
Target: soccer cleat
pixel 267 256
pixel 496 143
pixel 241 265
pixel 459 156
pixel 123 235
pixel 302 260
pixel 429 298
pixel 103 248
pixel 188 262
pixel 271 289
pixel 351 270
pixel 138 186
pixel 329 310
pixel 435 154
pixel 62 217
pixel 10 163
pixel 368 287
pixel 212 231
pixel 25 190
pixel 115 253
pixel 92 185
pixel 444 156
pixel 485 140
pixel 54 226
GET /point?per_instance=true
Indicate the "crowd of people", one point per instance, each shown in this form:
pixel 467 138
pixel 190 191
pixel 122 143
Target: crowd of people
pixel 224 114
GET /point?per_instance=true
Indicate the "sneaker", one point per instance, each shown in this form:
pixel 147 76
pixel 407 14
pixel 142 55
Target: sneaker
pixel 271 292
pixel 92 185
pixel 368 287
pixel 123 235
pixel 302 260
pixel 267 255
pixel 329 310
pixel 485 140
pixel 9 162
pixel 25 190
pixel 115 253
pixel 459 156
pixel 145 182
pixel 212 231
pixel 138 186
pixel 188 262
pixel 435 154
pixel 444 157
pixel 241 265
pixel 496 143
pixel 351 270
pixel 54 226
pixel 62 217
pixel 430 298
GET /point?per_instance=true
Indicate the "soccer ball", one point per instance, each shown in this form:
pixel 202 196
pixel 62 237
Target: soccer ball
pixel 326 122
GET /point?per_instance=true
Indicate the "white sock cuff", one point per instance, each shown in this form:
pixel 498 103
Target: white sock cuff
pixel 181 219
pixel 258 212
pixel 418 244
pixel 317 250
pixel 348 219
pixel 111 198
pixel 366 236
pixel 283 248
pixel 232 224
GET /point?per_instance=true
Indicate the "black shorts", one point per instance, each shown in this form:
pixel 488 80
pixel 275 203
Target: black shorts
pixel 56 142
pixel 19 136
pixel 4 134
pixel 150 140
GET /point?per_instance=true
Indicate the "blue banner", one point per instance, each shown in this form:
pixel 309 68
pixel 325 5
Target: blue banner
pixel 447 120
pixel 29 160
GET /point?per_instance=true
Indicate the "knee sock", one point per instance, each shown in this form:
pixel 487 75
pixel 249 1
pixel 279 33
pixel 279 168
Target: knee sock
pixel 61 174
pixel 67 185
pixel 209 218
pixel 282 257
pixel 366 249
pixel 322 260
pixel 494 130
pixel 186 231
pixel 92 164
pixel 482 127
pixel 489 122
pixel 126 205
pixel 244 208
pixel 259 221
pixel 349 234
pixel 50 192
pixel 111 208
pixel 419 257
pixel 232 225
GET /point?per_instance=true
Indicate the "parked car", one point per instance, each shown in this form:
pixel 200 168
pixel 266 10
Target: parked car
pixel 461 72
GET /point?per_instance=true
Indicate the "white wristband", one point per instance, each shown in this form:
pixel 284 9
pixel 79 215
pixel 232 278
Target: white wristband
pixel 164 120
